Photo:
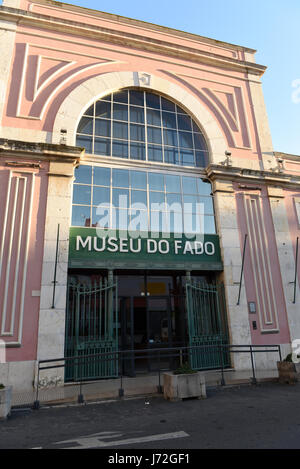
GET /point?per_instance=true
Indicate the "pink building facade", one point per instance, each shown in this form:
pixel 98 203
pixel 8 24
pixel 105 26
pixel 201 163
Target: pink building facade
pixel 86 95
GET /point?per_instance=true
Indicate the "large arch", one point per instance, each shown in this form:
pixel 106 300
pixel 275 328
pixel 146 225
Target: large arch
pixel 94 88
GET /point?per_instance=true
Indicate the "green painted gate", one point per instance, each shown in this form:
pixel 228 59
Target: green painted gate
pixel 91 328
pixel 207 324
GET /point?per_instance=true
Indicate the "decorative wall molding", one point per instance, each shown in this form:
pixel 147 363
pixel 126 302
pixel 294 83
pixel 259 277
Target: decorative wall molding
pixel 14 251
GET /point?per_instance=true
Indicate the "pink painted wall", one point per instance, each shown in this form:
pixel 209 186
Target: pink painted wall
pixel 21 223
pixel 262 275
pixel 53 63
pixel 294 223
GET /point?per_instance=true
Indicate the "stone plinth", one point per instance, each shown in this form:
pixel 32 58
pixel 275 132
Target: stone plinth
pixel 5 402
pixel 184 386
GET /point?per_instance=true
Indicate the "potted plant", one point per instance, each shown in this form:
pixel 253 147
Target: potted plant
pixel 184 383
pixel 288 371
pixel 5 401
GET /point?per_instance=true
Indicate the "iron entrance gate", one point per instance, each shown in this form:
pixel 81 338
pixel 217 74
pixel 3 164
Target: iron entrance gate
pixel 207 324
pixel 92 328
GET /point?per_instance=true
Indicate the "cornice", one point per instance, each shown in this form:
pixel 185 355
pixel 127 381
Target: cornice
pixel 39 151
pixel 287 156
pixel 109 35
pixel 141 24
pixel 243 175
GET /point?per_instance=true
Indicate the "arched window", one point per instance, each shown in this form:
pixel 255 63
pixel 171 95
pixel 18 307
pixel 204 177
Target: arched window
pixel 139 125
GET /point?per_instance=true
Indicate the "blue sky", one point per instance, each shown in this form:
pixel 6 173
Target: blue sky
pixel 270 26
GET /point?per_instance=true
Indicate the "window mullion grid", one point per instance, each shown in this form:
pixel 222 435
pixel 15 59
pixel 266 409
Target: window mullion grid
pixel 194 150
pixel 111 124
pixel 91 201
pixel 128 128
pixel 111 200
pixel 94 129
pixel 161 130
pixel 178 141
pixel 146 127
pixel 148 203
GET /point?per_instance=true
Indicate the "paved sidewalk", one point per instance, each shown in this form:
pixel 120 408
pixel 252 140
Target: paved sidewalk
pixel 246 416
pixel 140 385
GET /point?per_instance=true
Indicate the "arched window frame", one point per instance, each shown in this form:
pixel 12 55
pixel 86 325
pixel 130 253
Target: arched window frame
pixel 142 147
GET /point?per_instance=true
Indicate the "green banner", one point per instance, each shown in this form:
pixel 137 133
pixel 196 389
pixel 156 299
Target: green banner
pixel 116 249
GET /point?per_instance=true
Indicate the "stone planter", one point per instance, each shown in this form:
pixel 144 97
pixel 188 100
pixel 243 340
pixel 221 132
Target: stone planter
pixel 288 372
pixel 184 386
pixel 5 402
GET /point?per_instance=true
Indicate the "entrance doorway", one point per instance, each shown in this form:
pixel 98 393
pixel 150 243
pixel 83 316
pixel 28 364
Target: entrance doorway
pixel 143 315
pixel 146 324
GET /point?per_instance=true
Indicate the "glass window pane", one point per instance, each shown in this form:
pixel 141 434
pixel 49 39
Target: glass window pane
pixel 137 114
pixel 101 176
pixel 81 194
pixel 85 142
pixel 180 110
pixel 176 222
pixel 106 98
pixel 102 127
pixel 137 151
pixel 209 224
pixel 137 132
pixel 89 111
pixel 138 220
pixel 204 187
pixel 103 109
pixel 171 155
pixel 184 122
pixel 102 146
pixel 152 100
pixel 101 217
pixel 120 149
pixel 120 197
pixel 169 120
pixel 156 198
pixel 190 202
pixel 153 117
pixel 120 219
pixel 170 138
pixel 167 105
pixel 155 221
pixel 185 139
pixel 138 180
pixel 85 126
pixel 136 97
pixel 121 97
pixel 189 185
pixel 195 127
pixel 200 143
pixel 156 182
pixel 83 174
pixel 120 112
pixel 187 157
pixel 201 158
pixel 101 195
pixel 173 183
pixel 207 205
pixel 154 135
pixel 139 197
pixel 120 130
pixel 155 153
pixel 81 215
pixel 120 178
pixel 174 202
pixel 192 223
